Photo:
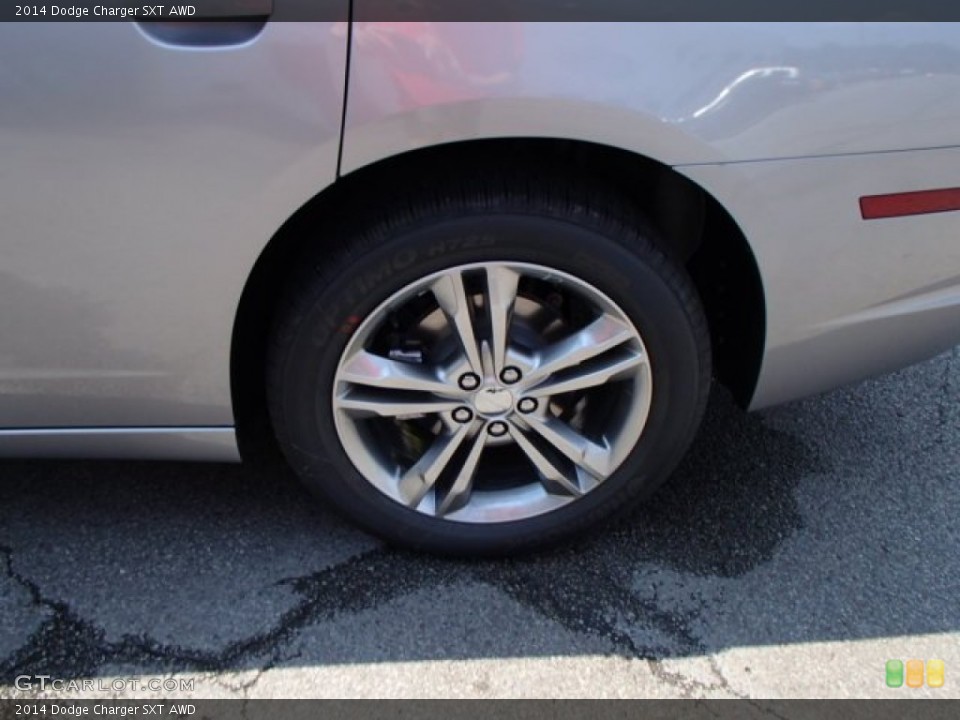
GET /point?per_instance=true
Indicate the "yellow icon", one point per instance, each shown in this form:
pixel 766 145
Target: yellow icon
pixel 914 673
pixel 935 673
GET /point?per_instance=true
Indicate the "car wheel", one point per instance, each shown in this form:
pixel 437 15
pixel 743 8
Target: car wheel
pixel 483 371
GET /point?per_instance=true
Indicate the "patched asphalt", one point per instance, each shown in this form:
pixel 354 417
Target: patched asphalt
pixel 792 554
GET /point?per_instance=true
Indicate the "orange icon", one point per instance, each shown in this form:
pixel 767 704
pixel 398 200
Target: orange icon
pixel 914 673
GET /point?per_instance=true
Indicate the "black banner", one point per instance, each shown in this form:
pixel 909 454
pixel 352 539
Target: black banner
pixel 485 709
pixel 485 10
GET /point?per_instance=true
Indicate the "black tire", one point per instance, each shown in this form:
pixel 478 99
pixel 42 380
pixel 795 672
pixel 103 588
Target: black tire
pixel 584 232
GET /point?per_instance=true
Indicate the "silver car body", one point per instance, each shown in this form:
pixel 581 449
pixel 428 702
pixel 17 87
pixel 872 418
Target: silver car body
pixel 141 178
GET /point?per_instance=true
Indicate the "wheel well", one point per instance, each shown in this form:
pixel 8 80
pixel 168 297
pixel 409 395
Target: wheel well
pixel 694 227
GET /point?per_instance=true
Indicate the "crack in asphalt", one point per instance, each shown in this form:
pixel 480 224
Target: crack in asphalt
pixel 946 400
pixel 12 574
pixel 724 680
pixel 687 686
pixel 588 598
pixel 66 646
pixel 63 643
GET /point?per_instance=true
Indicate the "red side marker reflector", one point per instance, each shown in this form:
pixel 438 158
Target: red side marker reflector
pixel 873 207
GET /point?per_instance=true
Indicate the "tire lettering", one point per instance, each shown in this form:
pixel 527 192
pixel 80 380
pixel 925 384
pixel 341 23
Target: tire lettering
pixel 468 242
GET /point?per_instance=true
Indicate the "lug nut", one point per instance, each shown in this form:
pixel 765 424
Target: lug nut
pixel 510 375
pixel 463 415
pixel 469 381
pixel 497 429
pixel 527 405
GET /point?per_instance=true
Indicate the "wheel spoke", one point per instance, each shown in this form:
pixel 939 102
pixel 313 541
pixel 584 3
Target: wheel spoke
pixel 501 295
pixel 364 404
pixel 593 458
pixel 459 493
pixel 371 370
pixel 420 479
pixel 593 376
pixel 603 334
pixel 452 298
pixel 553 476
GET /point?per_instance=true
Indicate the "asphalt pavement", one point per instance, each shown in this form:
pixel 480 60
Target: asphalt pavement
pixel 794 552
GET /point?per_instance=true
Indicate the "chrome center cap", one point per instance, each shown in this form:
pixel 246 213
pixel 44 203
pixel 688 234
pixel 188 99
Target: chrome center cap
pixel 493 401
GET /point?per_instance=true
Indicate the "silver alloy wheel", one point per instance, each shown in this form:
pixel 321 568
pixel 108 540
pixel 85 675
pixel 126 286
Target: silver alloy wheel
pixel 492 392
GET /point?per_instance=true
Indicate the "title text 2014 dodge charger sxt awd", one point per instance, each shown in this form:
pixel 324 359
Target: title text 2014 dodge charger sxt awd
pixel 476 278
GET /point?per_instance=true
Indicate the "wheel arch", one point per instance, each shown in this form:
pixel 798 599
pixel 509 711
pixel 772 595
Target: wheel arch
pixel 694 228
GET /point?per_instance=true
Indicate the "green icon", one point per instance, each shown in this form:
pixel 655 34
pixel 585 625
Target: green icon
pixel 894 673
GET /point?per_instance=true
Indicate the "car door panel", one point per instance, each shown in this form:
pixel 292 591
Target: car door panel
pixel 140 180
